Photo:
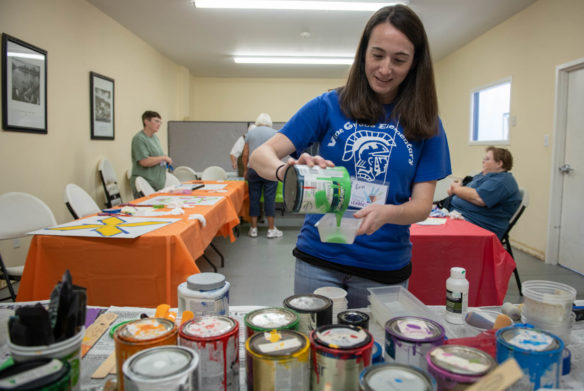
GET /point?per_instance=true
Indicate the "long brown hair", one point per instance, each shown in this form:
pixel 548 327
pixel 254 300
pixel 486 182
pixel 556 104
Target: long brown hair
pixel 416 104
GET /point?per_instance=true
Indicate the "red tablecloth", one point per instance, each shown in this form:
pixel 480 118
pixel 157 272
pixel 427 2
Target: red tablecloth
pixel 437 248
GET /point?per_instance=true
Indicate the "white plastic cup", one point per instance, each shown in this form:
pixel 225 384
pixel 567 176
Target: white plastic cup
pixel 69 350
pixel 344 233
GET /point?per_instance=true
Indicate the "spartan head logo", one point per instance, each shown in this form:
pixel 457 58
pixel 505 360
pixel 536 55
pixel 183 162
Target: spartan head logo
pixel 370 151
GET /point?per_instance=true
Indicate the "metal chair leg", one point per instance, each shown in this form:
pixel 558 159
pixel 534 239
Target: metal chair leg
pixel 7 279
pixel 518 281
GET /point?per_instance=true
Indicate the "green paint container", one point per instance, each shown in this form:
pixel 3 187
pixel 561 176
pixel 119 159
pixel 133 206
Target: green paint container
pixel 316 190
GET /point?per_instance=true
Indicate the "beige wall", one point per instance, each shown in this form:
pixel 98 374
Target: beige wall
pixel 527 48
pixel 233 99
pixel 79 39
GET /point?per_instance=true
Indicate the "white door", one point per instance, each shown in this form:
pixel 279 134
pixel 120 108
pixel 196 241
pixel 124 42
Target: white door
pixel 571 238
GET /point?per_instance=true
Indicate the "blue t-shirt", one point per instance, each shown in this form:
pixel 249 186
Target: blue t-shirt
pixel 379 153
pixel 499 192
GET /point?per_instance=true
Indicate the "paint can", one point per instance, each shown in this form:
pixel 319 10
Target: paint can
pixel 47 374
pixel 537 352
pixel 457 367
pixel 267 319
pixel 313 311
pixel 141 334
pixel 216 339
pixel 204 294
pixel 409 338
pixel 278 360
pixel 339 355
pixel 354 318
pixel 316 190
pixel 397 377
pixel 172 368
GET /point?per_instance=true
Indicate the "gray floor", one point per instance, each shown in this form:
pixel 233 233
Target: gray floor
pixel 261 270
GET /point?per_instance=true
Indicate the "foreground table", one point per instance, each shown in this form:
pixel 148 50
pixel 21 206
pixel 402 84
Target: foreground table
pixel 437 248
pixel 144 271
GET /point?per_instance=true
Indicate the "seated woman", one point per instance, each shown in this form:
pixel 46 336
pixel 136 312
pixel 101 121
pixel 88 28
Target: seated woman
pixel 491 197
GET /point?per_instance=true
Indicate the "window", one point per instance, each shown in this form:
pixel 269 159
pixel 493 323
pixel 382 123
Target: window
pixel 490 113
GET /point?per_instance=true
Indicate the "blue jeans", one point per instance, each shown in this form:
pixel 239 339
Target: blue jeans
pixel 255 184
pixel 308 278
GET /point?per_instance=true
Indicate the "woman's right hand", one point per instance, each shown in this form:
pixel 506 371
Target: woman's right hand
pixel 311 161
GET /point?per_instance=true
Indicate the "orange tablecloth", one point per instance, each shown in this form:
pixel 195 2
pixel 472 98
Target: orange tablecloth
pixel 459 243
pixel 141 272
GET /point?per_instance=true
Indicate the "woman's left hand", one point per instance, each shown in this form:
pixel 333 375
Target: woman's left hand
pixel 374 216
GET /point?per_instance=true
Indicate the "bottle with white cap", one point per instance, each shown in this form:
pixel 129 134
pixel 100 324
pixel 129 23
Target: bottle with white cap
pixel 456 296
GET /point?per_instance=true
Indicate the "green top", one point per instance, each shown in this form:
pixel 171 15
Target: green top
pixel 143 147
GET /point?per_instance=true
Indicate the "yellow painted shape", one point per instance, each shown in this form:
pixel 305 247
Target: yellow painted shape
pixel 109 227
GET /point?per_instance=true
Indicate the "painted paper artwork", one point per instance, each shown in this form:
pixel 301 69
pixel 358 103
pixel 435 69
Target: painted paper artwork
pixel 107 227
pixel 178 201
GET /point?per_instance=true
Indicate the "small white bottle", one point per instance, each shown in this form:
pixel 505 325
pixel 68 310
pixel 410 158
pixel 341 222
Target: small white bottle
pixel 456 296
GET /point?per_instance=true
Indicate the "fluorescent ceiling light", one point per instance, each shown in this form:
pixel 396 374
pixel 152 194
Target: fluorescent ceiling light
pixel 294 60
pixel 297 4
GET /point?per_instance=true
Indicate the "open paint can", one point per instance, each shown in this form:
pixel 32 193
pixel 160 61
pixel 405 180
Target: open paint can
pixel 457 367
pixel 216 339
pixel 409 338
pixel 339 355
pixel 171 368
pixel 538 353
pixel 397 377
pixel 278 360
pixel 268 319
pixel 313 311
pixel 139 335
pixel 316 190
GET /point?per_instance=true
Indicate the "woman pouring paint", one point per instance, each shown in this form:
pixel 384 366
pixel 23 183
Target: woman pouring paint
pixel 383 127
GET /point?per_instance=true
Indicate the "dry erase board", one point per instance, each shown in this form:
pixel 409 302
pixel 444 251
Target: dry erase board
pixel 200 144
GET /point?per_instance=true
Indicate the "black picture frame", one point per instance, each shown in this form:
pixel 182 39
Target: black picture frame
pixel 102 94
pixel 24 86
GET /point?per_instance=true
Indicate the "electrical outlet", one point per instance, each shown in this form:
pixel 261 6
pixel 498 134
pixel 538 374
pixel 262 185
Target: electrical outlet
pixel 16 243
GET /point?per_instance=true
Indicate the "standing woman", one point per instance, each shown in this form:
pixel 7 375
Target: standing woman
pixel 383 126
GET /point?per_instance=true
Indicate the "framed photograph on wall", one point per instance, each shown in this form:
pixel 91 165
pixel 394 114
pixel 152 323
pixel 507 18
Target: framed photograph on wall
pixel 24 86
pixel 102 106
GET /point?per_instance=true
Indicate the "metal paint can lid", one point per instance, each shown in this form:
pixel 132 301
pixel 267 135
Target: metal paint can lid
pixel 277 344
pixel 341 336
pixel 414 329
pixel 266 319
pixel 529 339
pixel 160 362
pixel 42 374
pixel 145 329
pixel 291 190
pixel 354 318
pixel 205 281
pixel 308 303
pixel 398 377
pixel 461 360
pixel 208 327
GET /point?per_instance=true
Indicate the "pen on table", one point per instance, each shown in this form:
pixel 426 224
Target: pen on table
pixel 144 205
pixel 113 214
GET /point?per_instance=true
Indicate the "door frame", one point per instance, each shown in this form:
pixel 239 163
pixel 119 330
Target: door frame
pixel 558 156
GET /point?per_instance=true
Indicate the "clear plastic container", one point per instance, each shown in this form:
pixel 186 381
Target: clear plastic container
pixel 344 233
pixel 392 301
pixel 561 329
pixel 547 301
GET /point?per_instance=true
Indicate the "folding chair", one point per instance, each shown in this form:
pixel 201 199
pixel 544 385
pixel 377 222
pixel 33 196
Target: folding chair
pixel 171 180
pixel 79 202
pixel 184 174
pixel 110 183
pixel 144 187
pixel 20 213
pixel 213 173
pixel 505 238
